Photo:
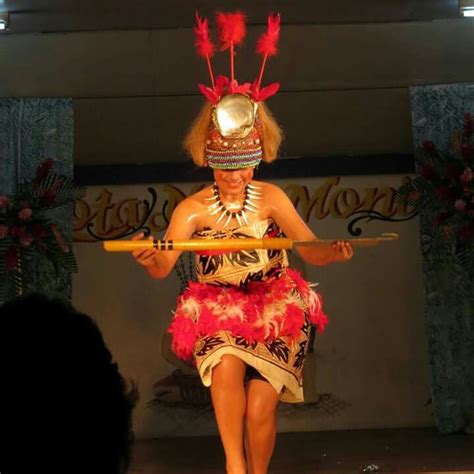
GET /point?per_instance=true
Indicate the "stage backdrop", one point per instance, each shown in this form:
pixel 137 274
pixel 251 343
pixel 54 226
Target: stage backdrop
pixel 437 116
pixel 368 370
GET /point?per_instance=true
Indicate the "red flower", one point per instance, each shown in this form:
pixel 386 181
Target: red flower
pixel 444 193
pixel 42 246
pixel 48 197
pixel 15 231
pixel 26 239
pixel 441 218
pixel 467 152
pixel 453 171
pixel 59 238
pixel 466 233
pixel 460 204
pixel 429 146
pixel 467 176
pixel 3 231
pixel 414 195
pixel 25 214
pixel 43 169
pixel 39 231
pixel 447 230
pixel 11 258
pixel 468 125
pixel 428 172
pixel 5 203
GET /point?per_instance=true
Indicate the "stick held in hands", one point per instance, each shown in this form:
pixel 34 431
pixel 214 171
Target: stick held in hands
pixel 236 244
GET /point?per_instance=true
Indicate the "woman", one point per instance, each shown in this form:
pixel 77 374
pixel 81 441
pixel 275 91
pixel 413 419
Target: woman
pixel 246 321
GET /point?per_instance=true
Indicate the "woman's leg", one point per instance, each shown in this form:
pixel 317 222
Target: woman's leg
pixel 260 425
pixel 228 398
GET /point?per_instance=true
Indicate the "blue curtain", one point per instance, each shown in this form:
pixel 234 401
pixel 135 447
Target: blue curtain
pixel 32 130
pixel 437 114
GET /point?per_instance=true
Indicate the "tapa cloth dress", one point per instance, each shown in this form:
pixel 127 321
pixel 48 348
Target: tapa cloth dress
pixel 251 305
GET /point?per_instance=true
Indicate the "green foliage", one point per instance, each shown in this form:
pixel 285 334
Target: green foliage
pixel 443 194
pixel 33 250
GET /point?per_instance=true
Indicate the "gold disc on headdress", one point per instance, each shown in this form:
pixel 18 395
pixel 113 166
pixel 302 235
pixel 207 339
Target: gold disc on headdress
pixel 234 116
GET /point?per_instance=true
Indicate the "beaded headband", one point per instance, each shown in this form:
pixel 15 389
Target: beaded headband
pixel 234 139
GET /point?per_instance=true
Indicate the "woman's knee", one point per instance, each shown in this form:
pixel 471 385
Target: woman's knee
pixel 260 408
pixel 230 368
pixel 257 414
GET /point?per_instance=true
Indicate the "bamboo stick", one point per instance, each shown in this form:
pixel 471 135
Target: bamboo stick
pixel 193 245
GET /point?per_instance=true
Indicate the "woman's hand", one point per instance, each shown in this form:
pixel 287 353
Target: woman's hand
pixel 145 257
pixel 342 250
pixel 285 215
pixel 159 263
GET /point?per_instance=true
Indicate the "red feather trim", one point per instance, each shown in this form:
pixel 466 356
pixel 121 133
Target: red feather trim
pixel 231 28
pixel 269 90
pixel 204 45
pixel 243 88
pixel 221 83
pixel 209 94
pixel 267 43
pixel 214 94
pixel 258 94
pixel 260 313
pixel 235 88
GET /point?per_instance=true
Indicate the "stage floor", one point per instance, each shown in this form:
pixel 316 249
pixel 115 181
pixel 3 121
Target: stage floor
pixel 394 450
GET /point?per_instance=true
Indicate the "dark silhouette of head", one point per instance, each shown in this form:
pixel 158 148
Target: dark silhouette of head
pixel 69 405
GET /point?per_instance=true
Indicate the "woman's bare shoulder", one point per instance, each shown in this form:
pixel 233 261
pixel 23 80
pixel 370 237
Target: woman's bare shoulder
pixel 269 190
pixel 196 200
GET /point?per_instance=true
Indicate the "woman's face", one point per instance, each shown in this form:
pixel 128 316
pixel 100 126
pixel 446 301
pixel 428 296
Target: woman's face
pixel 233 181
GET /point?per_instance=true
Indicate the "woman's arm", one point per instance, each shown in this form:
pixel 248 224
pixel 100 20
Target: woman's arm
pixel 182 226
pixel 285 215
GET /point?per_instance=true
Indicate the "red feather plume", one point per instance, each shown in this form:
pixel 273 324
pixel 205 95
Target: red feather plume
pixel 267 43
pixel 231 28
pixel 204 45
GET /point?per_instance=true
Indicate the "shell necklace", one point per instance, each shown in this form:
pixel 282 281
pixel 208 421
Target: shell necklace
pixel 234 211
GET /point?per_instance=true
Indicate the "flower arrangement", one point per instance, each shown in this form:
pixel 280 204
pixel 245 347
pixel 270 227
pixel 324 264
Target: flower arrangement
pixel 27 227
pixel 445 186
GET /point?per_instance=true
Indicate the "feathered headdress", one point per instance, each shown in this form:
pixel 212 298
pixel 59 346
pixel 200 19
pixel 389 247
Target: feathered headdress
pixel 234 139
pixel 232 30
